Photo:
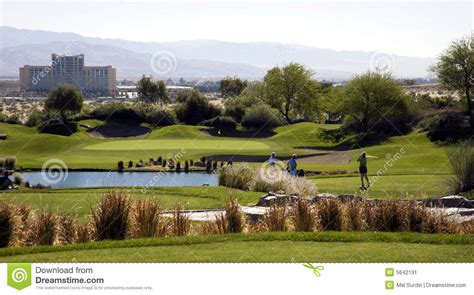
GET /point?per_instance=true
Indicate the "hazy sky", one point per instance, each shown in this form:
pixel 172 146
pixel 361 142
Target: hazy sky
pixel 421 28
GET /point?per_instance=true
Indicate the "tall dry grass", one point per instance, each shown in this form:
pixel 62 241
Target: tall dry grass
pixel 304 217
pixel 67 233
pixel 83 233
pixel 147 219
pixel 117 217
pixel 23 220
pixel 237 176
pixel 244 177
pixel 181 222
pixel 276 219
pixel 44 229
pixel 329 214
pixel 111 216
pixel 7 224
pixel 231 221
pixel 354 216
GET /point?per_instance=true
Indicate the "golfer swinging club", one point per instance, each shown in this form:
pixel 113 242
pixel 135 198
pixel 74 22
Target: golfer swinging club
pixel 363 169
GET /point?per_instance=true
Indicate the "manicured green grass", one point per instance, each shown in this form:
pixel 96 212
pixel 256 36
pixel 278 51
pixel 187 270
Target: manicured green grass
pixel 386 187
pixel 178 144
pixel 261 247
pixel 82 151
pixel 420 168
pixel 78 202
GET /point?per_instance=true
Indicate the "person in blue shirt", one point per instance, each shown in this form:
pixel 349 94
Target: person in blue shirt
pixel 292 165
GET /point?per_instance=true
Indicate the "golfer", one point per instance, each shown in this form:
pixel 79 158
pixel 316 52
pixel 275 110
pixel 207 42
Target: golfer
pixel 272 160
pixel 292 165
pixel 363 168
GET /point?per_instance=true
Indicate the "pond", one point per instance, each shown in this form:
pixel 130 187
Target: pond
pixel 77 179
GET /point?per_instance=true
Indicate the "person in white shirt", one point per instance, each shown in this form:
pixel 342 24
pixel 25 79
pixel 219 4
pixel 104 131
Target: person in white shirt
pixel 272 160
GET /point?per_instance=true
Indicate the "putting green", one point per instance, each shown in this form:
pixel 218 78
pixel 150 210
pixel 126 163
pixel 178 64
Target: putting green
pixel 196 144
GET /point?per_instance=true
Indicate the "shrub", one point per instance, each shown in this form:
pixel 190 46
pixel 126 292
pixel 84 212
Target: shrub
pixel 181 222
pixel 17 179
pixel 120 166
pixel 13 119
pixel 447 126
pixel 233 216
pixel 387 216
pixel 10 163
pixel 462 166
pixel 186 166
pixel 83 233
pixel 244 177
pixel 7 224
pixel 276 218
pixel 111 216
pixel 117 112
pixel 147 219
pixel 303 216
pixel 156 116
pixel 67 229
pixel 222 123
pixel 329 215
pixel 238 176
pixel 354 216
pixel 34 118
pixel 45 228
pixel 23 226
pixel 236 112
pixel 178 166
pixel 261 117
pixel 235 107
pixel 196 109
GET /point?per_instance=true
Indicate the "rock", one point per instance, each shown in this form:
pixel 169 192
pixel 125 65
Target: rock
pixel 449 202
pixel 274 198
pixel 3 136
pixel 254 213
pixel 342 198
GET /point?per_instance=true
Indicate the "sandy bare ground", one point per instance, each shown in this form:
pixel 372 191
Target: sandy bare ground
pixel 333 157
pixel 118 131
pixel 316 157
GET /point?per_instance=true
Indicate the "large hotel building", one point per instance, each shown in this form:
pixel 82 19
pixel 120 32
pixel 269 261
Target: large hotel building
pixel 69 69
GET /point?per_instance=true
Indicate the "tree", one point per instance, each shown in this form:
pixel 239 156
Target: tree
pixel 196 109
pixel 150 91
pixel 291 91
pixel 65 100
pixel 374 102
pixel 332 104
pixel 455 70
pixel 232 87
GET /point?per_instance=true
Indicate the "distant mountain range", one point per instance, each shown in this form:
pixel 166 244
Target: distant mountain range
pixel 198 59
